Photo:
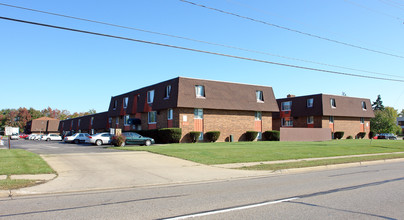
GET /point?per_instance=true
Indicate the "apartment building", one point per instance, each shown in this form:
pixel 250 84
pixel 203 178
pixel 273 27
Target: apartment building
pixel 90 124
pixel 195 105
pixel 43 125
pixel 340 113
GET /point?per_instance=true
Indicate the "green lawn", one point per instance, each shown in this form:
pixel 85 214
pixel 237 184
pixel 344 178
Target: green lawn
pixel 222 153
pixel 17 161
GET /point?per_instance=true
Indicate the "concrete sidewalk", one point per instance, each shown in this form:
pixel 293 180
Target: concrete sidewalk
pixel 100 171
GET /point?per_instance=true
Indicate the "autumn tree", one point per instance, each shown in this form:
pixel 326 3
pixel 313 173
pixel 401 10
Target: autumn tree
pixel 385 121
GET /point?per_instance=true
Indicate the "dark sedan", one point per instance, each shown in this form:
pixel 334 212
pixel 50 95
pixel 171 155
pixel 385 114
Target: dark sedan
pixel 135 138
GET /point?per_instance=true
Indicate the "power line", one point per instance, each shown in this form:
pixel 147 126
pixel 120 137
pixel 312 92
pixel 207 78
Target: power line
pixel 373 10
pixel 292 30
pixel 195 40
pixel 392 4
pixel 199 51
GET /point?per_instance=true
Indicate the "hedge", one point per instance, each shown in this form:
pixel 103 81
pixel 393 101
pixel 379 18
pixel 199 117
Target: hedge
pixel 371 135
pixel 338 134
pixel 361 135
pixel 251 135
pixel 212 136
pixel 271 135
pixel 164 135
pixel 194 135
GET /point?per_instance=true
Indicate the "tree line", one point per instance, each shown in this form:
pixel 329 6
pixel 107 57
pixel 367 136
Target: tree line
pixel 19 117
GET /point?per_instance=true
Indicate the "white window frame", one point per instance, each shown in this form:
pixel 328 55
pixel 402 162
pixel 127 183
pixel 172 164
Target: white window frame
pixel 285 123
pixel 331 120
pixel 150 96
pixel 310 103
pixel 362 120
pixel 126 120
pixel 200 91
pixel 150 116
pixel 333 103
pixel 125 102
pixel 167 92
pixel 258 116
pixel 364 107
pixel 198 113
pixel 310 120
pixel 259 95
pixel 170 114
pixel 283 104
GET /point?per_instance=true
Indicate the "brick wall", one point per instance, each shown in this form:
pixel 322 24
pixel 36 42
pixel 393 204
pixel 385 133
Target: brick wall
pixel 234 123
pixel 351 126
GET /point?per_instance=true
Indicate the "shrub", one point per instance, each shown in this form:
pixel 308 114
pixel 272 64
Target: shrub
pixel 251 135
pixel 212 136
pixel 361 135
pixel 371 135
pixel 271 135
pixel 151 134
pixel 338 134
pixel 194 135
pixel 170 135
pixel 349 137
pixel 119 140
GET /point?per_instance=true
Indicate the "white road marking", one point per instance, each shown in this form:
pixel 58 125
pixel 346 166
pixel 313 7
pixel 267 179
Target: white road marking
pixel 231 209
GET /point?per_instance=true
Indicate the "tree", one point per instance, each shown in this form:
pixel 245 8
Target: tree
pixel 385 121
pixel 378 104
pixel 401 114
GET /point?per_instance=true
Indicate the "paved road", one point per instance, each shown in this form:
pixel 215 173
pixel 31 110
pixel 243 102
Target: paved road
pixel 367 192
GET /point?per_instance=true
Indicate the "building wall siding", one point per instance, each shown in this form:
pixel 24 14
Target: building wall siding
pixel 351 126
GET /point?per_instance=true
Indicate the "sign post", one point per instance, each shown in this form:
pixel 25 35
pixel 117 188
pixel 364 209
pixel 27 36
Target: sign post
pixel 8 131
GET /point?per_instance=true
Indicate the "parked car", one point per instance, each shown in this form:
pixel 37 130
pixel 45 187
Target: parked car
pixel 135 138
pixel 77 138
pixel 388 136
pixel 51 137
pixel 14 137
pixel 99 139
pixel 23 136
pixel 37 137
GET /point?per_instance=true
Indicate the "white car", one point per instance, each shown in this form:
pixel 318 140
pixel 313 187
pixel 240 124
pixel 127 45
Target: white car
pixel 32 136
pixel 14 137
pixel 51 137
pixel 37 137
pixel 76 138
pixel 99 139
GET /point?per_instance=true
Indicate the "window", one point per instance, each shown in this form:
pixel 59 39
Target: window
pixel 110 120
pixel 152 117
pixel 201 136
pixel 310 120
pixel 333 103
pixel 71 124
pixel 331 119
pixel 198 113
pixel 259 136
pixel 150 96
pixel 167 92
pixel 364 106
pixel 126 120
pixel 287 122
pixel 310 103
pixel 79 121
pixel 125 102
pixel 258 116
pixel 170 114
pixel 286 106
pixel 115 104
pixel 200 91
pixel 362 120
pixel 92 120
pixel 117 121
pixel 260 96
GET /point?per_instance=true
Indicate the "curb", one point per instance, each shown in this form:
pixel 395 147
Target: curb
pixel 3 177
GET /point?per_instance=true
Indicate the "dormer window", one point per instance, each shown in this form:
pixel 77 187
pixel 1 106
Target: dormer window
pixel 150 96
pixel 310 103
pixel 125 102
pixel 167 92
pixel 259 95
pixel 333 103
pixel 364 106
pixel 286 106
pixel 115 104
pixel 200 91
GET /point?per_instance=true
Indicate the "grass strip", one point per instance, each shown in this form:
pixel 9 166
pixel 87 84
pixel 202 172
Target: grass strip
pixel 314 163
pixel 18 161
pixel 242 152
pixel 9 184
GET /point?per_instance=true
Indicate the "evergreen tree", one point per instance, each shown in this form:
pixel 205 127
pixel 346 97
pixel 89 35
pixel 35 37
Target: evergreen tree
pixel 378 104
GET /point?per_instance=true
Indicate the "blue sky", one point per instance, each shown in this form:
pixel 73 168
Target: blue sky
pixel 43 67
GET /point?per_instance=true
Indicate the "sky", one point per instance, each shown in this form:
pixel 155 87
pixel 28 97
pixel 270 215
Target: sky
pixel 42 66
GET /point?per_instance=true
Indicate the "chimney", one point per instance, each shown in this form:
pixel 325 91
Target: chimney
pixel 290 96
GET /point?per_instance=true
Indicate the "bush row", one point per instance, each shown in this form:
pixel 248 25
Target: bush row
pixel 164 135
